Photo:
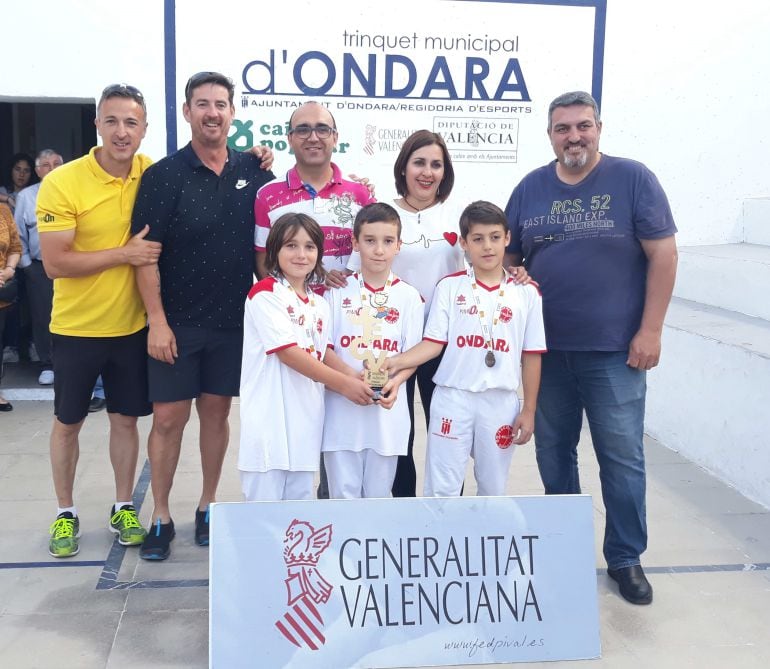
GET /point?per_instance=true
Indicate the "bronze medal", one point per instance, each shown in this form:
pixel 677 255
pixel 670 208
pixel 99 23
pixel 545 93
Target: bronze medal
pixel 490 359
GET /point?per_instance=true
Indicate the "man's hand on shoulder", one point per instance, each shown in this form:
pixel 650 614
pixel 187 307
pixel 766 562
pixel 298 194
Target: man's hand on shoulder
pixel 336 279
pixel 364 181
pixel 644 350
pixel 519 274
pixel 265 155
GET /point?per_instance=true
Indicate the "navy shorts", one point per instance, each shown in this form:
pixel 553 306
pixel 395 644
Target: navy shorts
pixel 209 361
pixel 78 361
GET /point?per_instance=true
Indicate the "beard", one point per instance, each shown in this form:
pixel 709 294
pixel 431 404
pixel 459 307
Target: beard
pixel 573 161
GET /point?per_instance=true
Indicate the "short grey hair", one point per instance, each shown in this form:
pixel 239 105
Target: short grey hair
pixel 45 153
pixel 573 98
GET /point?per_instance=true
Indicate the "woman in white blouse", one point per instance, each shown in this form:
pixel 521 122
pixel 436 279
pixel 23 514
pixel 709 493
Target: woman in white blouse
pixel 430 250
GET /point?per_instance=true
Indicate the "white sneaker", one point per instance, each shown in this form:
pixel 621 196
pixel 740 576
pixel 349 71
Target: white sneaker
pixel 10 354
pixel 46 377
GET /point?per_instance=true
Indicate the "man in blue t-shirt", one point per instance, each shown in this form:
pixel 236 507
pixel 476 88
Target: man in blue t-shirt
pixel 596 232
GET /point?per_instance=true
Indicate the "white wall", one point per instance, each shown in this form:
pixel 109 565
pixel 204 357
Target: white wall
pixel 685 91
pixel 708 401
pixel 72 49
pixel 685 86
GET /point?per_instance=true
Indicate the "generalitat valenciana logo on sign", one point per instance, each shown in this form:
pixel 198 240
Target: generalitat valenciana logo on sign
pixel 302 623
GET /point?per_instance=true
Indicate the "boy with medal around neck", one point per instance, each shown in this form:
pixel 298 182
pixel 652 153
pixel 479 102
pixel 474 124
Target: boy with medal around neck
pixel 493 332
pixel 374 316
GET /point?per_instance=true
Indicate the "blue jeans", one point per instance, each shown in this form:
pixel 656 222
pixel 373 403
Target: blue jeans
pixel 99 388
pixel 612 394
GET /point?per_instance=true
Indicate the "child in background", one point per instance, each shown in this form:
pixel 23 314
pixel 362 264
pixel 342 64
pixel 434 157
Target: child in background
pixel 282 375
pixel 493 333
pixel 361 444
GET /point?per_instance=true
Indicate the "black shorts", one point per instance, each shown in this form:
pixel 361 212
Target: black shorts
pixel 209 361
pixel 122 362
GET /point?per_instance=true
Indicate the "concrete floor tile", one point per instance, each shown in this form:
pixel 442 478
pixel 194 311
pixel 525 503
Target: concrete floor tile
pixel 179 566
pixel 73 641
pixel 64 590
pixel 18 465
pixel 750 531
pixel 148 600
pixel 165 639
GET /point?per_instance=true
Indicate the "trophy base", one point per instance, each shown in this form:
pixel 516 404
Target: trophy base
pixel 377 394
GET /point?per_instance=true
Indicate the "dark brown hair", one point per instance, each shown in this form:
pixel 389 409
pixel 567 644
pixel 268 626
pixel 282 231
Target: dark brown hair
pixel 484 212
pixel 201 78
pixel 376 212
pixel 418 140
pixel 284 230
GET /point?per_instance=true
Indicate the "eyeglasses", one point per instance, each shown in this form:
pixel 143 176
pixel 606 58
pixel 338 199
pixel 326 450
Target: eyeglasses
pixel 123 91
pixel 200 78
pixel 322 131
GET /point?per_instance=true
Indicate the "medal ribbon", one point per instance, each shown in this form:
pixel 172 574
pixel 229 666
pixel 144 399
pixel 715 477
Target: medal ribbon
pixel 366 304
pixel 486 331
pixel 307 313
pixel 365 291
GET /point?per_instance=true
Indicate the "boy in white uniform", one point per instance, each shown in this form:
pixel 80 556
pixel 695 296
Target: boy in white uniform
pixel 361 444
pixel 493 332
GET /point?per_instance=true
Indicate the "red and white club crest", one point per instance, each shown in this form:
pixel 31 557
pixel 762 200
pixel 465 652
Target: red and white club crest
pixel 392 316
pixel 302 623
pixel 504 436
pixel 506 315
pixel 319 326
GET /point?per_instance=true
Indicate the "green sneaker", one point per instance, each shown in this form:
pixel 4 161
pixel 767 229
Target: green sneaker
pixel 125 523
pixel 64 536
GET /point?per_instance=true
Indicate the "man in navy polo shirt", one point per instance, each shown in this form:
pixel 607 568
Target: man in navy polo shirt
pixel 596 232
pixel 199 202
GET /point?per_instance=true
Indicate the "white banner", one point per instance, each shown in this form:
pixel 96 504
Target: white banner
pixel 479 73
pixel 402 582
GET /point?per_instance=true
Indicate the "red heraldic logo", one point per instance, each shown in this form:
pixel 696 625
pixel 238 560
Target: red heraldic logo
pixel 392 316
pixel 302 623
pixel 504 436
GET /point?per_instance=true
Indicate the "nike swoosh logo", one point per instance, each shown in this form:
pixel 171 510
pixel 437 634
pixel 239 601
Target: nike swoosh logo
pixel 241 184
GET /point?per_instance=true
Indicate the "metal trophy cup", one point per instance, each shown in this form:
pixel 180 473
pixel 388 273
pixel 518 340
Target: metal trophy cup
pixel 361 349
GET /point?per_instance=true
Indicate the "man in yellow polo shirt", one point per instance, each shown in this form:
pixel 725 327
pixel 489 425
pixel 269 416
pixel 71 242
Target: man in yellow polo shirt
pixel 98 319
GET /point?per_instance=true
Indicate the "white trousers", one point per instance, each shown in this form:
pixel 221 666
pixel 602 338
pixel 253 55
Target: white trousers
pixel 465 424
pixel 276 485
pixel 353 475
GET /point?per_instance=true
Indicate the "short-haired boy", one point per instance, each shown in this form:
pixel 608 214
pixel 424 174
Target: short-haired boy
pixel 361 444
pixel 493 333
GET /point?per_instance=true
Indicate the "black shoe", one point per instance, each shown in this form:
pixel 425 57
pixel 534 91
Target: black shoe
pixel 634 585
pixel 6 406
pixel 202 527
pixel 96 404
pixel 157 543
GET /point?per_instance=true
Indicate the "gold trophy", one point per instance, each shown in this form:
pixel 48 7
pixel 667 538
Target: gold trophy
pixel 361 349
